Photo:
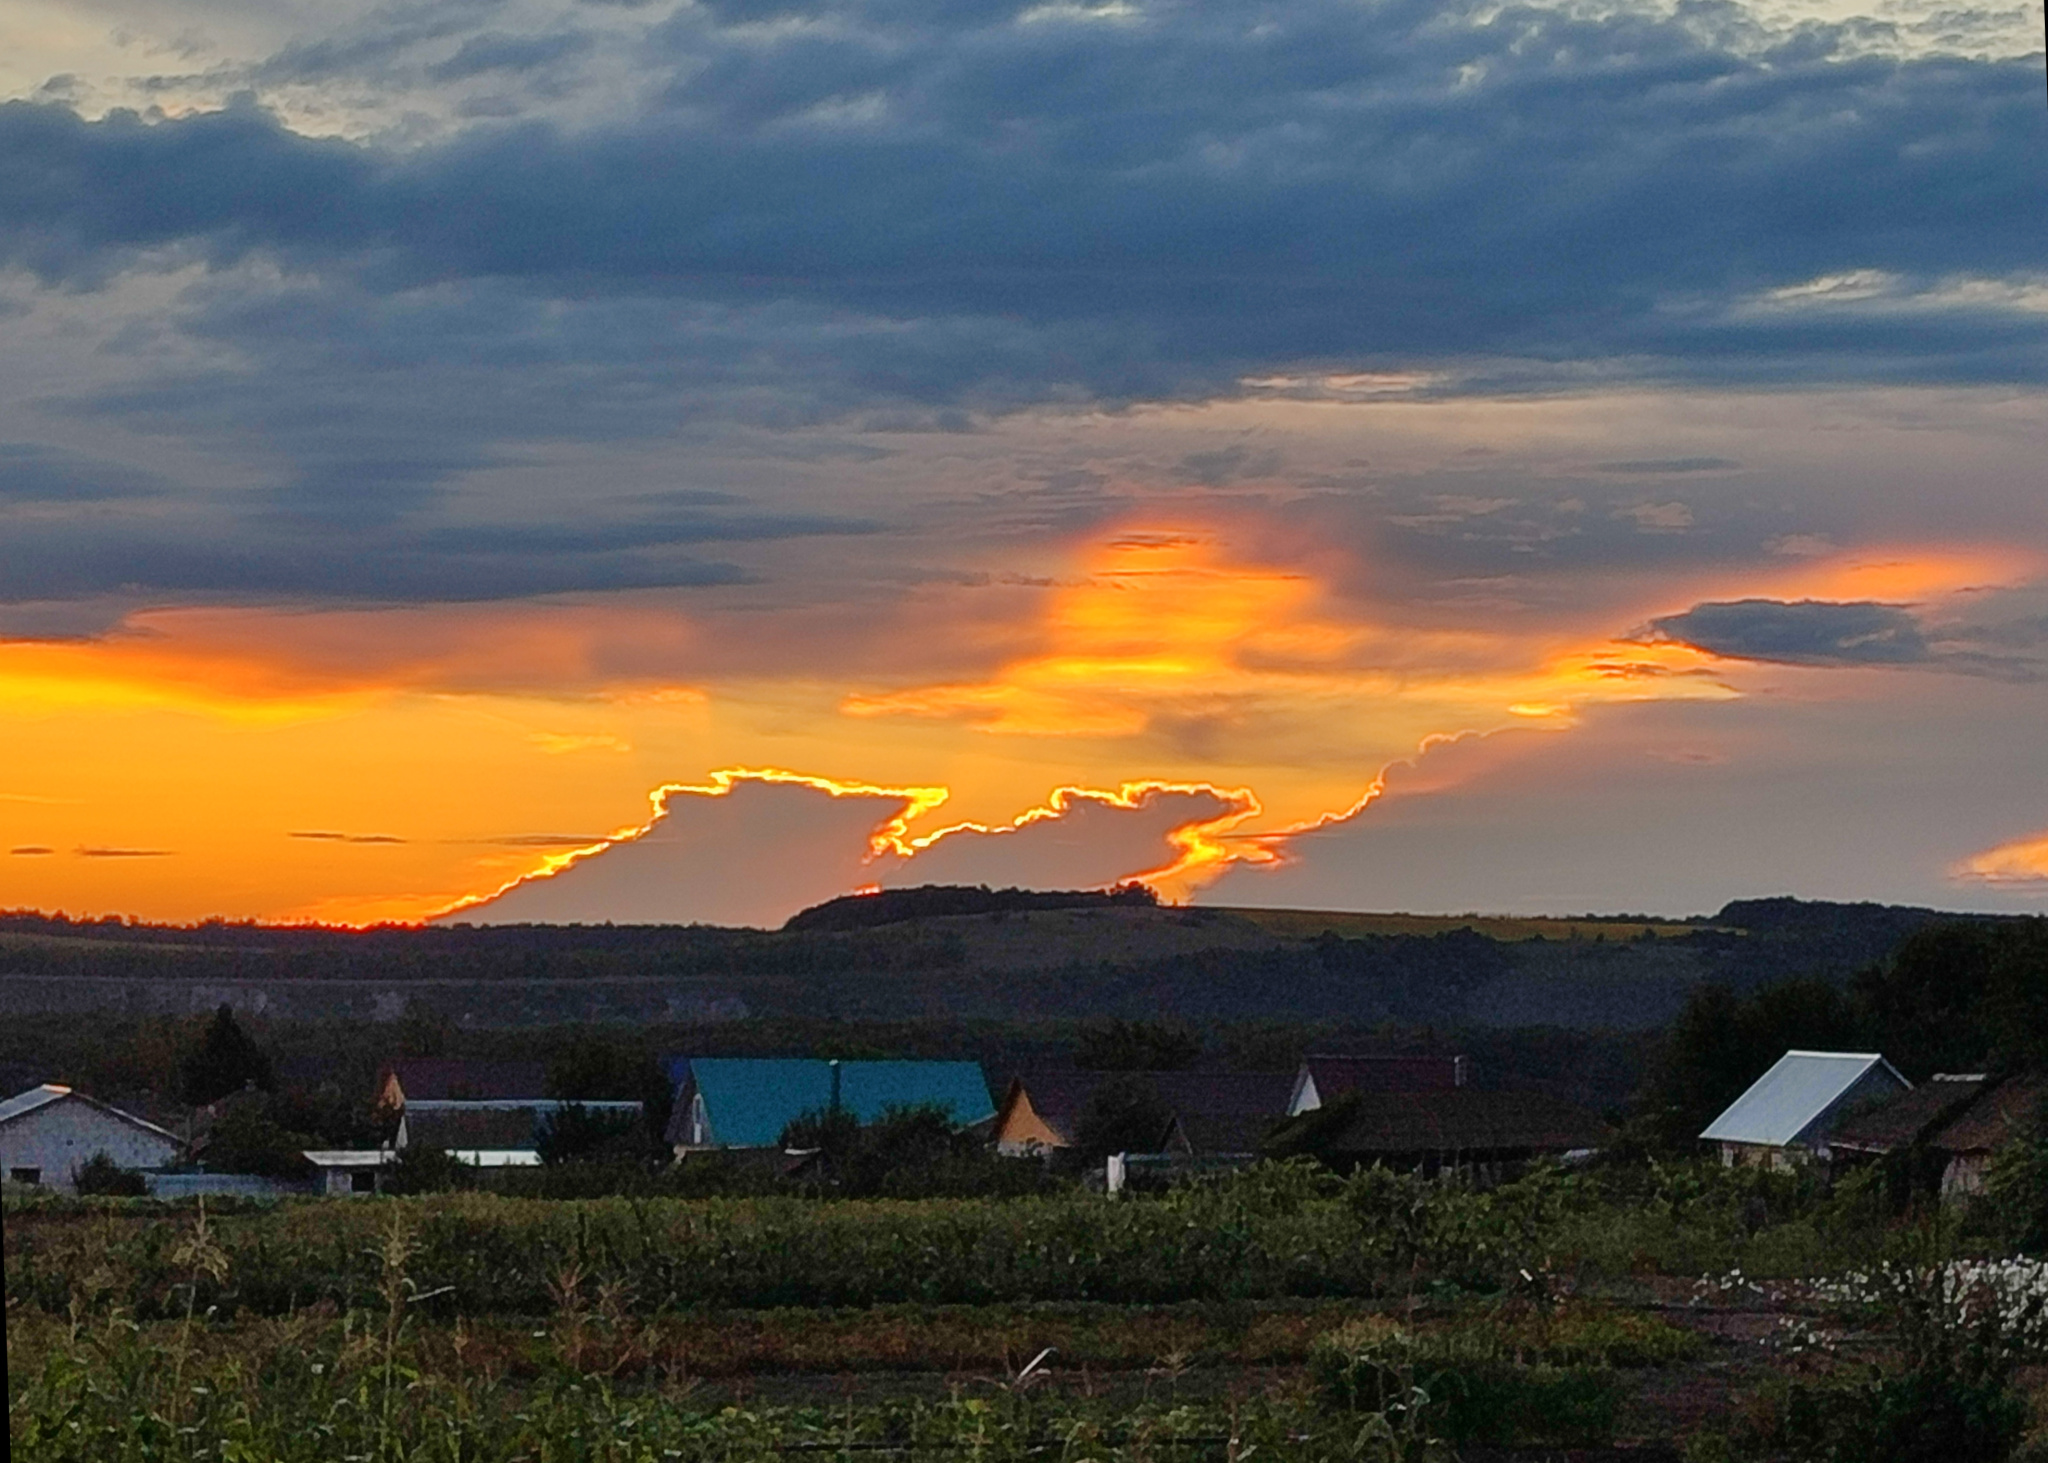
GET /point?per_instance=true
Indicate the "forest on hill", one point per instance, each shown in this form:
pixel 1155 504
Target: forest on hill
pixel 950 953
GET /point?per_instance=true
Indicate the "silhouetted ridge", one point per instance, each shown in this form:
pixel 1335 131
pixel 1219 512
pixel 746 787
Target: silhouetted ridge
pixel 930 901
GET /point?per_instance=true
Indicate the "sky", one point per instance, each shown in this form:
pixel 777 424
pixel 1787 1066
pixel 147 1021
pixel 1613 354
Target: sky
pixel 511 460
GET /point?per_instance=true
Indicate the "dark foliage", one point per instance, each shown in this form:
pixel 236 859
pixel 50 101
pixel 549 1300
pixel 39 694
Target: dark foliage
pixel 224 1062
pixel 250 1138
pixel 1923 1415
pixel 931 901
pixel 1926 1005
pixel 419 1169
pixel 578 1134
pixel 1117 1045
pixel 99 1174
pixel 595 1068
pixel 907 1153
pixel 1123 1115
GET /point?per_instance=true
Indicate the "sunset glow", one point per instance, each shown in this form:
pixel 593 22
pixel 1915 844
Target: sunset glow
pixel 571 462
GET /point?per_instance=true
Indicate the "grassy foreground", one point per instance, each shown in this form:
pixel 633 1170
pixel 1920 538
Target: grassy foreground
pixel 1278 1313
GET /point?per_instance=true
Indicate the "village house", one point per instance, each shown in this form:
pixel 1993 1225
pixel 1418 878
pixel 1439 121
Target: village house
pixel 1207 1114
pixel 50 1132
pixel 1788 1116
pixel 1458 1128
pixel 2004 1110
pixel 486 1114
pixel 1946 1129
pixel 747 1102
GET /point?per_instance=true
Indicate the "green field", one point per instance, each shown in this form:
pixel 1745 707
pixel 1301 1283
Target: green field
pixel 1302 924
pixel 1282 1312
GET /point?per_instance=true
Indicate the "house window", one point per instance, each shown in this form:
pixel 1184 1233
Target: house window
pixel 363 1181
pixel 25 1175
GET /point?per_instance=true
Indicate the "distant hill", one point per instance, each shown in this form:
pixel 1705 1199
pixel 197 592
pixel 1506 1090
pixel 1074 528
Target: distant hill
pixel 937 901
pixel 961 953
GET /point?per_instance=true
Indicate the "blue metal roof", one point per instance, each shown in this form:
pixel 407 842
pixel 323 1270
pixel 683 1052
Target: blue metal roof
pixel 750 1100
pixel 1799 1090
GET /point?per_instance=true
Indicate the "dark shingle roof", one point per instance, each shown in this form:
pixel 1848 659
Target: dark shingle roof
pixel 1462 1120
pixel 1336 1075
pixel 1996 1116
pixel 1907 1117
pixel 441 1079
pixel 462 1129
pixel 1214 1112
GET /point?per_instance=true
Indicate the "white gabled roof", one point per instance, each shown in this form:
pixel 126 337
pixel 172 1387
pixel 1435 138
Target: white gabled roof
pixel 36 1098
pixel 23 1103
pixel 1799 1088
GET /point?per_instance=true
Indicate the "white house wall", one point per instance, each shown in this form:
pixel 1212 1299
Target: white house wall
pixel 58 1137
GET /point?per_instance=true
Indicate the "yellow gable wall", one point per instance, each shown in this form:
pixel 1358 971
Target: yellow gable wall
pixel 1022 1129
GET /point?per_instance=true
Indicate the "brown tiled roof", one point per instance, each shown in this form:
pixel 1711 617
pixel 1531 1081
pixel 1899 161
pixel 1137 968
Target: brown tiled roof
pixel 1336 1075
pixel 442 1079
pixel 1906 1118
pixel 1996 1116
pixel 1461 1120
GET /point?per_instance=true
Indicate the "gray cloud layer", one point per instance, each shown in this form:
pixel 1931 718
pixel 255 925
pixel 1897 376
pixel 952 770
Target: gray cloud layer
pixel 926 212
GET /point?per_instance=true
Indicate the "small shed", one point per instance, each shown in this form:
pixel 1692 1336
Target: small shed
pixel 345 1171
pixel 1906 1120
pixel 746 1102
pixel 1788 1115
pixel 1967 1141
pixel 49 1132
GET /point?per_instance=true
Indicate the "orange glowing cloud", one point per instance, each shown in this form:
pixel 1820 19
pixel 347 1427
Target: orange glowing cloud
pixel 1172 836
pixel 1170 650
pixel 2021 864
pixel 753 845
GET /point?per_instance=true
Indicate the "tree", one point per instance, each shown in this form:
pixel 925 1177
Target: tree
pixel 1124 1115
pixel 225 1061
pixel 574 1133
pixel 248 1138
pixel 1925 1004
pixel 1117 1045
pixel 593 1069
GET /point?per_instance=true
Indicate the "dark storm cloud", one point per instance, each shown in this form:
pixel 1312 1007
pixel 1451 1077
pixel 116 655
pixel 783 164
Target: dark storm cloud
pixel 31 473
pixel 53 561
pixel 910 215
pixel 1801 632
pixel 1321 186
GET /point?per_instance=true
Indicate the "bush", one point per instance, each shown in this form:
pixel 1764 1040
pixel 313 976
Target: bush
pixel 418 1169
pixel 1918 1416
pixel 99 1174
pixel 1469 1392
